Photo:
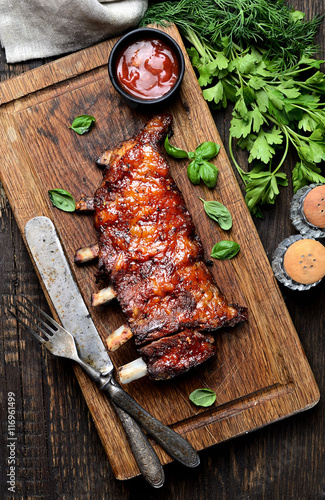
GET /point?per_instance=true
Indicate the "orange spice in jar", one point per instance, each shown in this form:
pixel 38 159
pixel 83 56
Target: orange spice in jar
pixel 314 206
pixel 304 261
pixel 299 263
pixel 307 211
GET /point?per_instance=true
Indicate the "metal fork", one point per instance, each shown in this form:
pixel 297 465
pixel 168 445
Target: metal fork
pixel 61 343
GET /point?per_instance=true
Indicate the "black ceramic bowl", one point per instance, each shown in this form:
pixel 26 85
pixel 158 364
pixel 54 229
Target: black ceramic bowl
pixel 132 37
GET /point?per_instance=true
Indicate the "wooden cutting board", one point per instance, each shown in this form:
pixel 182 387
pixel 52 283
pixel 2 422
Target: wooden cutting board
pixel 260 373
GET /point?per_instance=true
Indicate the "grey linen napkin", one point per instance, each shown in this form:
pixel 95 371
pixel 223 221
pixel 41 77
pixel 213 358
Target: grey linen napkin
pixel 31 29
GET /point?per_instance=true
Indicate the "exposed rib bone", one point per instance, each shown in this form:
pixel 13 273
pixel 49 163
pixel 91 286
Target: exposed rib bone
pixel 85 204
pixel 103 296
pixel 132 371
pixel 118 338
pixel 104 158
pixel 86 254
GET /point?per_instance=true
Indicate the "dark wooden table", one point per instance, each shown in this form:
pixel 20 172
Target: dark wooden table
pixel 58 453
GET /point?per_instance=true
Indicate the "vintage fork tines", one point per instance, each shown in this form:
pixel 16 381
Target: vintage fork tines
pixel 57 340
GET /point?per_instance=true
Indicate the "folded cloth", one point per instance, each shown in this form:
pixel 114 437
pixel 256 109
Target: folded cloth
pixel 31 29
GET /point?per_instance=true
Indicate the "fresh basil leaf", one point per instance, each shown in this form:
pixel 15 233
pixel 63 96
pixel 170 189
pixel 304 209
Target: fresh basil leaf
pixel 225 250
pixel 82 124
pixel 219 213
pixel 191 155
pixel 193 172
pixel 203 397
pixel 173 151
pixel 208 173
pixel 207 150
pixel 62 199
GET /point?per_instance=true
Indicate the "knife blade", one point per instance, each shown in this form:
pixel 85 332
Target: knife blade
pixel 50 260
pixel 55 272
pixel 64 293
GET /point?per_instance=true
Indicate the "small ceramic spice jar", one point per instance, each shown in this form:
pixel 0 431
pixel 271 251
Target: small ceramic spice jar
pixel 307 211
pixel 299 263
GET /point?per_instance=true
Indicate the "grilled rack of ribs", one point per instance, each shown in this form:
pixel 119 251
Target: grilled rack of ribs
pixel 150 252
pixel 170 356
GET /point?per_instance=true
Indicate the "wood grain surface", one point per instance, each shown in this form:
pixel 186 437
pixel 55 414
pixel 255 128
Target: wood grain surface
pixel 54 429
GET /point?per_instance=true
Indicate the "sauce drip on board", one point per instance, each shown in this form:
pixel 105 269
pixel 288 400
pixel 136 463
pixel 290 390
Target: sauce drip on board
pixel 147 69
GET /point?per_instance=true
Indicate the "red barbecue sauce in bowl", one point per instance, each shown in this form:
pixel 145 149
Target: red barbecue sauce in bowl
pixel 147 68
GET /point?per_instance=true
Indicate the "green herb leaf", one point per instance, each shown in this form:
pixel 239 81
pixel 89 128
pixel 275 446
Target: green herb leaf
pixel 303 174
pixel 318 150
pixel 276 98
pixel 82 124
pixel 193 172
pixel 290 93
pixel 262 187
pixel 256 82
pixel 62 199
pixel 239 127
pixel 241 108
pixel 225 249
pixel 205 75
pixel 248 95
pixel 246 64
pixel 307 123
pixel 203 397
pixel 207 150
pixel 219 213
pixel 229 91
pixel 208 173
pixel 199 168
pixel 296 15
pixel 318 79
pixel 173 151
pixel 262 100
pixel 262 148
pixel 214 93
pixel 194 55
pixel 257 118
pixel 313 63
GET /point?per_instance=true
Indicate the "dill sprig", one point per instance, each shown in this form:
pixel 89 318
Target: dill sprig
pixel 269 24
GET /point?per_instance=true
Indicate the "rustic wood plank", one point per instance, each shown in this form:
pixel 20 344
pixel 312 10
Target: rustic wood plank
pixel 237 469
pixel 38 147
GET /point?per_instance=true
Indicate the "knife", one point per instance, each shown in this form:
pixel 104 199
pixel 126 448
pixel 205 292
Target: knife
pixel 49 258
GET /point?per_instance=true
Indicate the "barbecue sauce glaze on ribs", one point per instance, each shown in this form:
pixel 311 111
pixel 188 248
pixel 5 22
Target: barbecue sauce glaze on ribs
pixel 149 250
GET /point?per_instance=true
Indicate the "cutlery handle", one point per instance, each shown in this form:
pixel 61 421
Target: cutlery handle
pixel 173 443
pixel 143 452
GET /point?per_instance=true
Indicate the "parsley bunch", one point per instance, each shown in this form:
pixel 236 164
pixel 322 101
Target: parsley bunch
pixel 257 55
pixel 272 110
